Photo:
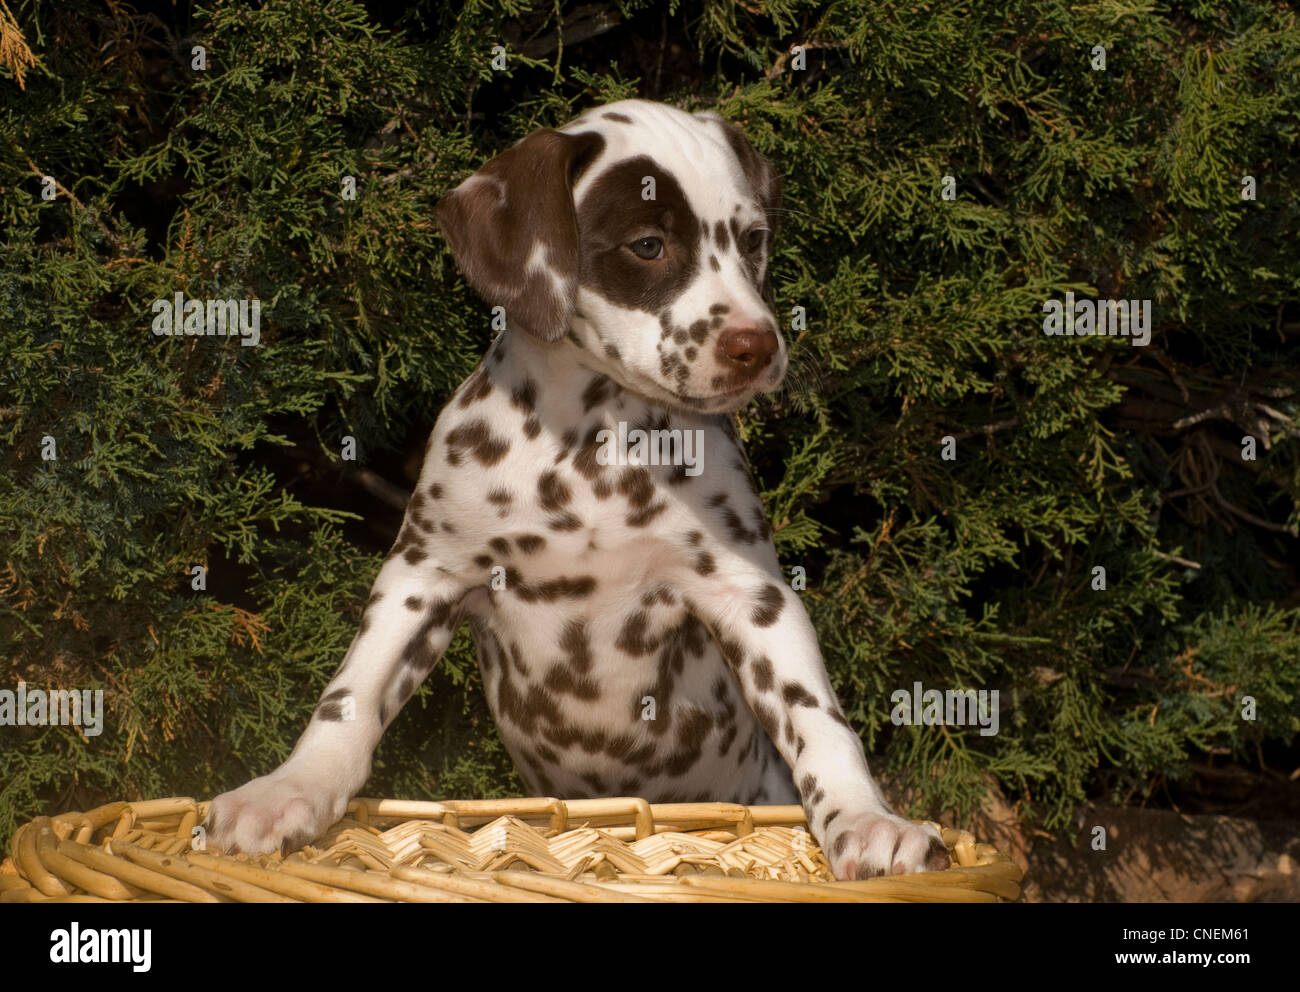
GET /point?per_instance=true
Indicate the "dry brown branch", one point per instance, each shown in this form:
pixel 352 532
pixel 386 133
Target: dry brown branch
pixel 14 53
pixel 778 67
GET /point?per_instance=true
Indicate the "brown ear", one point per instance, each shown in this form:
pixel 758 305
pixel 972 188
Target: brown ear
pixel 513 231
pixel 762 177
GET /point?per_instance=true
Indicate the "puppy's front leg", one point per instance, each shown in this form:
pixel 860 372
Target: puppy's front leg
pixel 766 637
pixel 408 623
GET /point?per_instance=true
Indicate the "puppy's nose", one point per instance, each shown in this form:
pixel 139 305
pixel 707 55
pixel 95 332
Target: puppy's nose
pixel 747 350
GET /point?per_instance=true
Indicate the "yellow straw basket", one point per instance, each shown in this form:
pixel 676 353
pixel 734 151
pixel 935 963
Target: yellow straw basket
pixel 499 850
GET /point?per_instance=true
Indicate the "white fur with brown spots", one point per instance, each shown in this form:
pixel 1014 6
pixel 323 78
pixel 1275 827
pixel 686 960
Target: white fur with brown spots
pixel 635 633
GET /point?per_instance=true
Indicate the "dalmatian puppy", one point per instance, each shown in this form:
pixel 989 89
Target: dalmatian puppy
pixel 635 633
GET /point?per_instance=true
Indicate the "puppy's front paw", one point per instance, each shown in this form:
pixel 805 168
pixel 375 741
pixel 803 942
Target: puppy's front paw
pixel 277 812
pixel 871 844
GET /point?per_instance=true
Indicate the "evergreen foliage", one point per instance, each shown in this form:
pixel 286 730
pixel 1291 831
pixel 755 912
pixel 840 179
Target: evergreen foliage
pixel 924 320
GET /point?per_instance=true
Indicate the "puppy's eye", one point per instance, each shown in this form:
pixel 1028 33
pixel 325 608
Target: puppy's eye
pixel 647 248
pixel 755 240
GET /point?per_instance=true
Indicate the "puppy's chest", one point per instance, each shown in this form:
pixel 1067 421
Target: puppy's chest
pixel 599 549
pixel 630 695
pixel 539 476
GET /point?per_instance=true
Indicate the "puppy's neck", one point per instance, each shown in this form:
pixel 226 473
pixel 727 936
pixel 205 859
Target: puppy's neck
pixel 566 375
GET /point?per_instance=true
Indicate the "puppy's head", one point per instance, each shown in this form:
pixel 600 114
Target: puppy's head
pixel 640 233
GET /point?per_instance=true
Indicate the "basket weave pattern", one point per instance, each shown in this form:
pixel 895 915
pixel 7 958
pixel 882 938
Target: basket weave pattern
pixel 502 850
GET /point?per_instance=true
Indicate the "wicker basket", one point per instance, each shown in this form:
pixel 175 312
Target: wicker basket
pixel 504 850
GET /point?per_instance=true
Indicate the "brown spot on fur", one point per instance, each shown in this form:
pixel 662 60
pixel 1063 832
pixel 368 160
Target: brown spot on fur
pixel 553 493
pixel 475 437
pixel 631 638
pixel 597 391
pixel 612 213
pixel 642 517
pixel 330 706
pixel 720 236
pixel 796 695
pixel 524 396
pixel 530 543
pixel 477 387
pixel 768 719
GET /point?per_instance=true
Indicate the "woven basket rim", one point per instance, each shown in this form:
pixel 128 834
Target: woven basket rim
pixel 542 849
